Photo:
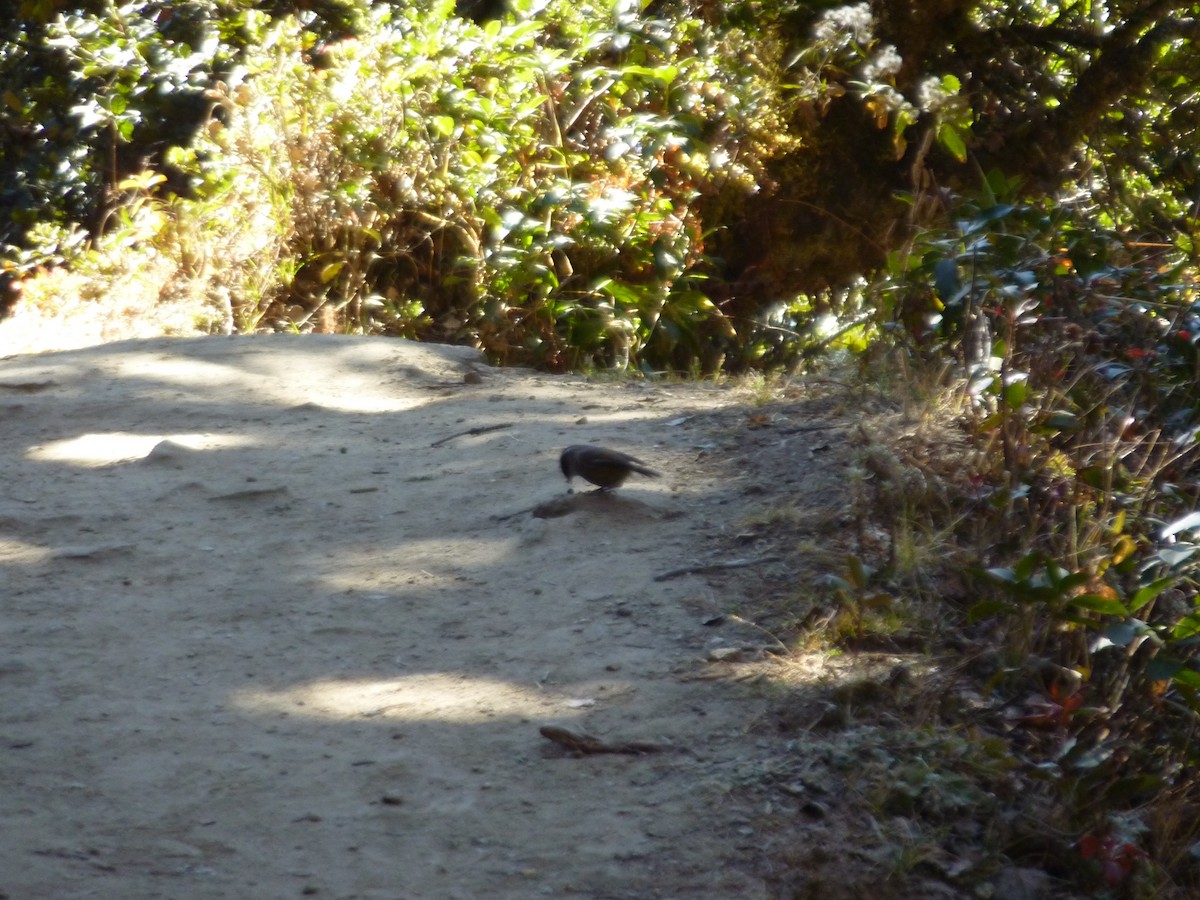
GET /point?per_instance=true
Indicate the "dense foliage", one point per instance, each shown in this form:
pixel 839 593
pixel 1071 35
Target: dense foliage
pixel 1075 510
pixel 681 184
pixel 530 186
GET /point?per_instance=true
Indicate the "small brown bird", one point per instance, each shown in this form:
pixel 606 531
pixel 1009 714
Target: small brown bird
pixel 600 466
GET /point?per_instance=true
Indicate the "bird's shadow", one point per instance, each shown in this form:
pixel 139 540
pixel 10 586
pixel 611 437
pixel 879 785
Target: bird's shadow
pixel 599 502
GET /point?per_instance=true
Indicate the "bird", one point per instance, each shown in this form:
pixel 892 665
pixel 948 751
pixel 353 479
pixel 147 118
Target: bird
pixel 601 466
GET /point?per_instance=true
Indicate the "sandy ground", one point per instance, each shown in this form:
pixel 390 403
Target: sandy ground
pixel 274 625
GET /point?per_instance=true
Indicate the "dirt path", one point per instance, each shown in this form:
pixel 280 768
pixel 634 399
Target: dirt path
pixel 261 639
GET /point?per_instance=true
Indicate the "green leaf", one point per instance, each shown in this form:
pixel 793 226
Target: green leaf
pixel 945 279
pixel 665 74
pixel 1188 677
pixel 623 294
pixel 1186 627
pixel 1164 668
pixel 1149 592
pixel 1177 554
pixel 443 125
pixel 1016 392
pixel 1094 602
pixel 1064 580
pixel 1027 565
pixel 950 138
pixel 1061 421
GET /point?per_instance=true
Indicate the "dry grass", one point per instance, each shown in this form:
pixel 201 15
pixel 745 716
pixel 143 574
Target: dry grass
pixel 61 310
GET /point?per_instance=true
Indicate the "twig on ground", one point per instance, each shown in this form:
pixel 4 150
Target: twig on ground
pixel 801 429
pixel 581 744
pixel 471 432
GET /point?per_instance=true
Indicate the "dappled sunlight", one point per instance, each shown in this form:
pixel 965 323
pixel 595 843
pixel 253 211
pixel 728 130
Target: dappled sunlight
pixel 261 375
pixel 362 569
pixel 105 448
pixel 829 669
pixel 18 552
pixel 367 403
pixel 624 415
pixel 437 697
pixel 181 370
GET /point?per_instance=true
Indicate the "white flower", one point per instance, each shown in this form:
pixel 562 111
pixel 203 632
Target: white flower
pixel 854 21
pixel 884 63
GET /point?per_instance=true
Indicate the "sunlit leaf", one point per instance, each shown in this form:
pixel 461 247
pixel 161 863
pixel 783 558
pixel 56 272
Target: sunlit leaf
pixel 1191 520
pixel 1175 555
pixel 1003 574
pixel 1119 634
pixel 665 74
pixel 1147 593
pixel 950 138
pixel 1186 628
pixel 1123 548
pixel 1016 392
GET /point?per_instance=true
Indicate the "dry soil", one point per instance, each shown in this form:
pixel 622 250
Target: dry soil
pixel 284 616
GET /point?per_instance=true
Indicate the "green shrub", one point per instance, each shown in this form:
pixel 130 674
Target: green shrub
pixel 527 186
pixel 1078 350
